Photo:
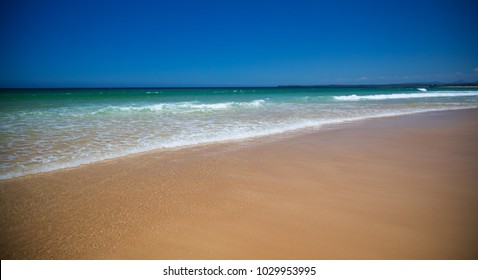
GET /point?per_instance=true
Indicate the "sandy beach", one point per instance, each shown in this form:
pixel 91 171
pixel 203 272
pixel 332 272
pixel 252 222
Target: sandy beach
pixel 390 188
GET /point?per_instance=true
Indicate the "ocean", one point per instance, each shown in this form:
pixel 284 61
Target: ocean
pixel 50 129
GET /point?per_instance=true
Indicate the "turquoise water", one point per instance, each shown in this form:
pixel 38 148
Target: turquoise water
pixel 44 130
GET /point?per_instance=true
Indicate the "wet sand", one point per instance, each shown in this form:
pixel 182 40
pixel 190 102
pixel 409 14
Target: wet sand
pixel 391 188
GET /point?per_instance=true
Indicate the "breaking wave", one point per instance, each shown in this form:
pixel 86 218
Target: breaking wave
pixel 354 97
pixel 183 106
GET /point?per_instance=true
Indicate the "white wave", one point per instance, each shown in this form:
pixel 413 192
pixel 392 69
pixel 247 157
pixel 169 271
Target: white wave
pixel 354 97
pixel 179 106
pixel 422 89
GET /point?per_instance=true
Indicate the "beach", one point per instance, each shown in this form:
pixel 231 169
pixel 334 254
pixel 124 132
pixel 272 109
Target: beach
pixel 403 187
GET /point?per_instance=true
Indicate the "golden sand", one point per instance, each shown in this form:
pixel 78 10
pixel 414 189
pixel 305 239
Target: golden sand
pixel 391 188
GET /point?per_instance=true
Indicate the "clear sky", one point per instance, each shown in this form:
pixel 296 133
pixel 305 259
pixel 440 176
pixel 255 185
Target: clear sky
pixel 84 43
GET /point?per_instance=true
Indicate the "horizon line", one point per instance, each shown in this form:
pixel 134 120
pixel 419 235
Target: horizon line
pixel 422 84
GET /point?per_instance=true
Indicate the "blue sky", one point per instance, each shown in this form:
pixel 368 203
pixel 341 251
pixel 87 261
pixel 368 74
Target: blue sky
pixel 236 43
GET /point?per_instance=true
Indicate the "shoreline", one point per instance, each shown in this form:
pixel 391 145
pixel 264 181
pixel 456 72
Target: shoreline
pixel 278 135
pixel 401 187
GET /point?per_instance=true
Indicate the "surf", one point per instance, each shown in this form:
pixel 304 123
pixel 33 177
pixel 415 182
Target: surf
pixel 354 97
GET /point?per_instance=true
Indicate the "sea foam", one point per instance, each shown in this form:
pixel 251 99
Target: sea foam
pixel 354 97
pixel 182 106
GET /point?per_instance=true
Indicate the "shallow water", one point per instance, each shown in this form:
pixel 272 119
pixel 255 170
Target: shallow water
pixel 44 130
